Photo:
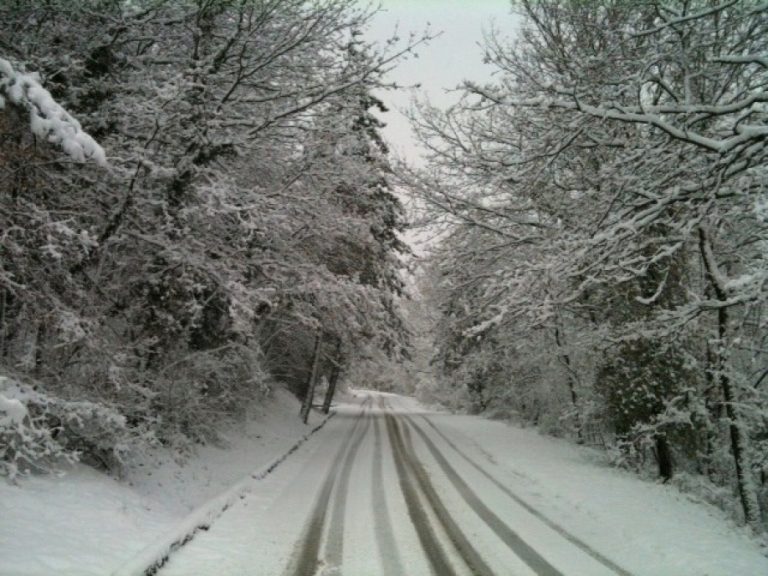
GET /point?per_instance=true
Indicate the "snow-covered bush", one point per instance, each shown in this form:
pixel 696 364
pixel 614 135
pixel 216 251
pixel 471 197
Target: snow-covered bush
pixel 205 387
pixel 702 488
pixel 25 443
pixel 39 432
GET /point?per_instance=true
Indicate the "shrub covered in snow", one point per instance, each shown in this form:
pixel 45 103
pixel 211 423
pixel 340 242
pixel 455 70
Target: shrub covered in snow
pixel 205 386
pixel 39 431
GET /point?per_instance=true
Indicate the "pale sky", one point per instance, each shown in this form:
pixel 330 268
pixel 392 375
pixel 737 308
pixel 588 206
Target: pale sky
pixel 444 62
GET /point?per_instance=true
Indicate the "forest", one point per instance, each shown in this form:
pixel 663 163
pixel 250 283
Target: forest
pixel 197 206
pixel 603 265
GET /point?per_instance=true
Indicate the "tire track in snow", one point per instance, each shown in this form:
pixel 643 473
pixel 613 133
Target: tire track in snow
pixel 546 520
pixel 409 469
pixel 427 537
pixel 513 540
pixel 306 555
pixel 334 548
pixel 382 523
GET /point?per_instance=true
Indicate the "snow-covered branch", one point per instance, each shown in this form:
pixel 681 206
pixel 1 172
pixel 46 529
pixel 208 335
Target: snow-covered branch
pixel 47 118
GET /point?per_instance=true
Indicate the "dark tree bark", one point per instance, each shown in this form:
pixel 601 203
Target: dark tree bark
pixel 664 457
pixel 738 436
pixel 306 406
pixel 335 373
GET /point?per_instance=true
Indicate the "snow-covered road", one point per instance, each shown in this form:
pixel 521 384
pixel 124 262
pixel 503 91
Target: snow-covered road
pixel 388 489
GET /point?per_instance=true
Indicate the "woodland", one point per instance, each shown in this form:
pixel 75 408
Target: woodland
pixel 197 206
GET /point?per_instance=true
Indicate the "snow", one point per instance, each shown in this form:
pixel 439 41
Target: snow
pixel 645 527
pixel 225 548
pixel 12 411
pixel 560 499
pixel 76 525
pixel 641 527
pixel 48 119
pixel 269 431
pixel 86 523
pixel 157 552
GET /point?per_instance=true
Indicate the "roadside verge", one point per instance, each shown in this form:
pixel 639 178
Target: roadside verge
pixel 153 557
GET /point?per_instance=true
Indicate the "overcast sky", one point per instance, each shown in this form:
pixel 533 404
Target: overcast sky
pixel 442 64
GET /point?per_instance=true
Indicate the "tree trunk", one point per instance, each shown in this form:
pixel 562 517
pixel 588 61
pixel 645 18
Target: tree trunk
pixel 739 444
pixel 40 334
pixel 664 457
pixel 738 436
pixel 335 373
pixel 566 360
pixel 306 406
pixel 3 329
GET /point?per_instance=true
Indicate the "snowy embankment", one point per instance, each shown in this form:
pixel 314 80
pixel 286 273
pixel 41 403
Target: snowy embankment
pixel 86 523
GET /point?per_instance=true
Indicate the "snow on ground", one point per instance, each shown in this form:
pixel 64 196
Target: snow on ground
pixel 261 534
pixel 268 432
pixel 86 523
pixel 257 535
pixel 645 527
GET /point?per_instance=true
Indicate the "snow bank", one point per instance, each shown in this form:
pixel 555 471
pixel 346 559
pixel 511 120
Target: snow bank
pixel 85 523
pixel 152 558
